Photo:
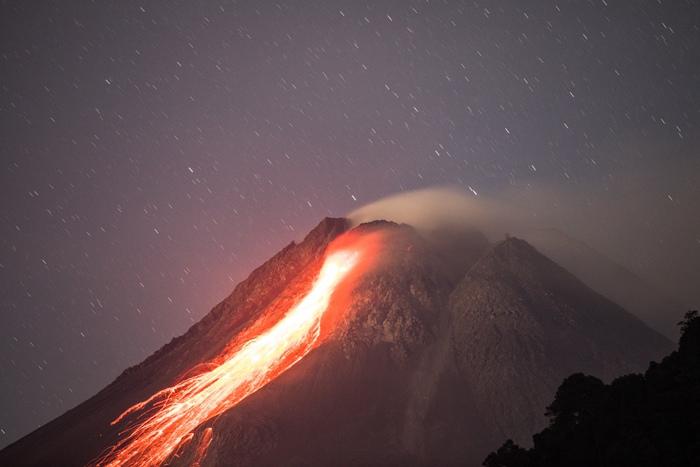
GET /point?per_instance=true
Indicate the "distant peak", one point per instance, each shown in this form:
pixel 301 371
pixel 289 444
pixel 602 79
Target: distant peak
pixel 515 245
pixel 513 254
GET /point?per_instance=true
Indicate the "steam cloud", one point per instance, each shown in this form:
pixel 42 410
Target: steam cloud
pixel 439 207
pixel 635 223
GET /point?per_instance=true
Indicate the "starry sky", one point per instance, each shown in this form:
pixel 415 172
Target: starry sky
pixel 153 153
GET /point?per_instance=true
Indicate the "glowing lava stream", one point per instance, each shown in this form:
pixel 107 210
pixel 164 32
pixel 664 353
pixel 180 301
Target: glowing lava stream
pixel 175 412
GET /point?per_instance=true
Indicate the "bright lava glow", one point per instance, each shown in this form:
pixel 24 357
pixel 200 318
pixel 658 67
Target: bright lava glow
pixel 175 412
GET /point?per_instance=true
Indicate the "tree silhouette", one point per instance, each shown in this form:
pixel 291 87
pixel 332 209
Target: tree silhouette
pixel 637 420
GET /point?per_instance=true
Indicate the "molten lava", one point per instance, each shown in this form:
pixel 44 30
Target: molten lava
pixel 168 418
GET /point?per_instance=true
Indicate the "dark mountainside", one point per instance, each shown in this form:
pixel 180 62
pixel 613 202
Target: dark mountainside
pixel 521 323
pixel 608 278
pixel 432 363
pixel 638 420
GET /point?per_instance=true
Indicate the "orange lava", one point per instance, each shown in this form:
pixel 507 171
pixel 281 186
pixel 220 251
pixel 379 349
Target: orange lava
pixel 202 447
pixel 169 417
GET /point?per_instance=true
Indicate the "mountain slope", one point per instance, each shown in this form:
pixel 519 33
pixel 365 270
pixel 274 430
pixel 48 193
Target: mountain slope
pixel 608 278
pixel 88 425
pixel 521 323
pixel 351 395
pixel 415 371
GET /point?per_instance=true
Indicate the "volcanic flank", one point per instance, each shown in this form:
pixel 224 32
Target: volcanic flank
pixel 430 351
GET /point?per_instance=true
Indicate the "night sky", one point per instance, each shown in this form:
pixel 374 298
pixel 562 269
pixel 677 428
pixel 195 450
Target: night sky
pixel 154 153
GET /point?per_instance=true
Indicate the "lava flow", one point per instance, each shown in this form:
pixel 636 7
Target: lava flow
pixel 169 417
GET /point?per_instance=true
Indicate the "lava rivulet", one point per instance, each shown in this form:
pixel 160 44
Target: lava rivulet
pixel 169 418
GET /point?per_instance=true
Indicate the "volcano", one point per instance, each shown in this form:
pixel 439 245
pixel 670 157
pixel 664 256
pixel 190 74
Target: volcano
pixel 372 345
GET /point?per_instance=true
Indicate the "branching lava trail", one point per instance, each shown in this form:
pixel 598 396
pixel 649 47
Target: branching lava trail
pixel 169 417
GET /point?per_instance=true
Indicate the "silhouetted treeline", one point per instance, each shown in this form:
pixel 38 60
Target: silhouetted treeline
pixel 637 420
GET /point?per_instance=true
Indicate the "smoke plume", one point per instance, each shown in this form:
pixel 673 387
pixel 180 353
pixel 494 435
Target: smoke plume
pixel 641 228
pixel 437 208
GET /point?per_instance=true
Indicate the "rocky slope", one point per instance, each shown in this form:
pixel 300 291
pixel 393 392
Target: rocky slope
pixel 434 362
pixel 521 323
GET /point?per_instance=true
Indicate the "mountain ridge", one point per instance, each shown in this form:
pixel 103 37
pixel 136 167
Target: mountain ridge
pixel 388 384
pixel 533 324
pixel 607 277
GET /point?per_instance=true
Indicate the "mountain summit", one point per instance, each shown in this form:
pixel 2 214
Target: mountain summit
pixel 441 347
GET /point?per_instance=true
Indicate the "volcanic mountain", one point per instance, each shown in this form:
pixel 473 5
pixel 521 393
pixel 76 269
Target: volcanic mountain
pixel 429 351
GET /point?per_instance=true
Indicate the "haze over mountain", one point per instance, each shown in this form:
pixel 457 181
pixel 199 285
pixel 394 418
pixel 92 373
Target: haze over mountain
pixel 608 278
pixel 526 214
pixel 443 347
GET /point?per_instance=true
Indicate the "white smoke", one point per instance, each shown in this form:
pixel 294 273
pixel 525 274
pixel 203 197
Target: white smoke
pixel 614 221
pixel 439 207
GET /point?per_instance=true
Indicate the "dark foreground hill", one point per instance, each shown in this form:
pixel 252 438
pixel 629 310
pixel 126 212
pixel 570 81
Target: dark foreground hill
pixel 443 349
pixel 638 420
